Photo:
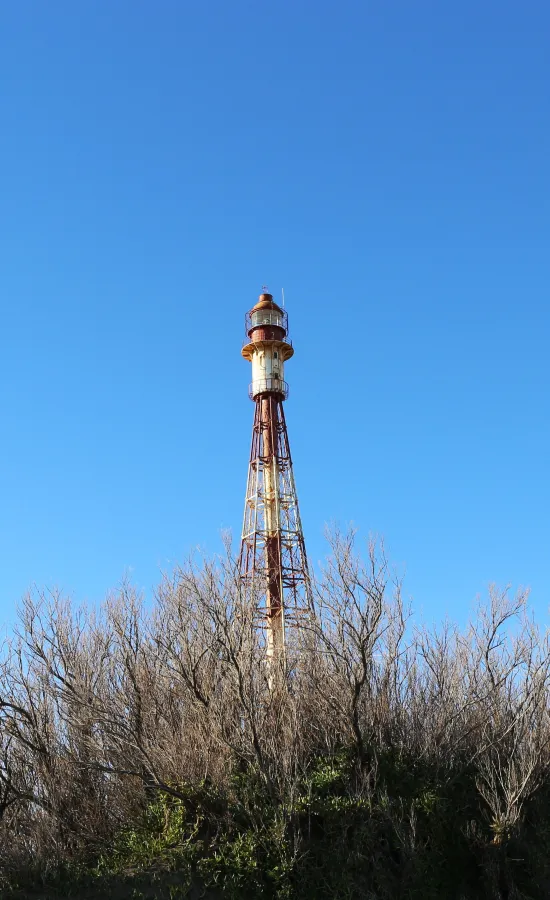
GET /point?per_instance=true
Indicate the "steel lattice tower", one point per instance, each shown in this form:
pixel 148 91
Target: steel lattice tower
pixel 273 563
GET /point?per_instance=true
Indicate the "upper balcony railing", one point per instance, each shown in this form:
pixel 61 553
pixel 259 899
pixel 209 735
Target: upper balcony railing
pixel 265 385
pixel 257 318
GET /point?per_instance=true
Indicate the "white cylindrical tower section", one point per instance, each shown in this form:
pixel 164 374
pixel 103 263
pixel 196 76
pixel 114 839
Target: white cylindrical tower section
pixel 267 365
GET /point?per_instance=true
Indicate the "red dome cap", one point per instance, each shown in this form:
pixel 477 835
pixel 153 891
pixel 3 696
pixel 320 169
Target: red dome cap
pixel 266 301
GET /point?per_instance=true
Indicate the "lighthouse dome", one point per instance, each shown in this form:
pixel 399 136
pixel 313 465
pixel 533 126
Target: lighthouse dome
pixel 266 301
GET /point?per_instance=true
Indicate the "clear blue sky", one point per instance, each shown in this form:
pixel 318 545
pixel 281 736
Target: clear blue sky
pixel 387 163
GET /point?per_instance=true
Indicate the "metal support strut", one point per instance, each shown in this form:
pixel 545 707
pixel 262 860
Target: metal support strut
pixel 273 563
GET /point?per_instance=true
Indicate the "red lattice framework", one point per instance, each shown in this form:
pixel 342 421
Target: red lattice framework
pixel 273 562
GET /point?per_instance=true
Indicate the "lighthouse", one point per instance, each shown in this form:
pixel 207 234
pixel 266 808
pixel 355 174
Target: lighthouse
pixel 273 563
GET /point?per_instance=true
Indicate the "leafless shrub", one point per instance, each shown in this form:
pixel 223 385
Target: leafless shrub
pixel 99 710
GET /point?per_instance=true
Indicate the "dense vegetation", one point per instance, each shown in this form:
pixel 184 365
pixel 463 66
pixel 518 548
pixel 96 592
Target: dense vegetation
pixel 150 752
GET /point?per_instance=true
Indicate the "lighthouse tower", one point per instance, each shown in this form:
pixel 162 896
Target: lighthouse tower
pixel 273 564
